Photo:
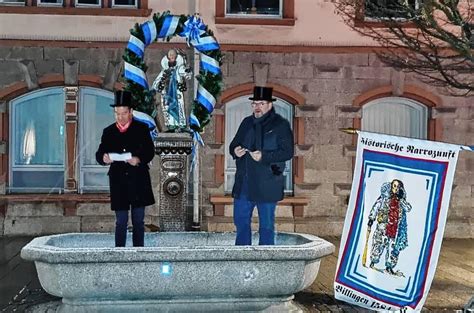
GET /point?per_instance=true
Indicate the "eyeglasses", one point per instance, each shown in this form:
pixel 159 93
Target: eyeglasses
pixel 258 103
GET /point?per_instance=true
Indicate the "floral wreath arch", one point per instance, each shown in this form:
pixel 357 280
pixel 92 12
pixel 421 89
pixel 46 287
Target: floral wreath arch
pixel 197 35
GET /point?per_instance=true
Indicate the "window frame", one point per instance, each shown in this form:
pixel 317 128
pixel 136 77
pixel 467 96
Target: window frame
pixel 70 7
pixel 256 15
pixel 387 18
pixel 69 150
pixel 92 168
pixel 86 5
pixel 13 3
pixel 39 3
pixel 44 168
pixel 287 17
pixel 288 172
pixel 121 6
pixel 398 101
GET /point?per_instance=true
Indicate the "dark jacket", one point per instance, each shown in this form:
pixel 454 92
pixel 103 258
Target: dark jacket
pixel 129 185
pixel 265 178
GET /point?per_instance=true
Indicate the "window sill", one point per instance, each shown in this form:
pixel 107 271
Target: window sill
pixel 298 204
pixel 75 11
pixel 256 21
pixel 48 198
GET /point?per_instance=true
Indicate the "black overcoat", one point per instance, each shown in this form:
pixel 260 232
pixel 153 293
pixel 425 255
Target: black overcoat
pixel 130 186
pixel 265 177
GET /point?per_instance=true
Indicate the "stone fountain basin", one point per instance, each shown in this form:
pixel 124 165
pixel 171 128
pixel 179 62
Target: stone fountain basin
pixel 177 272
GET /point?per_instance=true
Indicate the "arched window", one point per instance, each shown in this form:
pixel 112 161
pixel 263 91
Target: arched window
pixel 235 111
pixel 396 116
pixel 37 132
pixel 38 140
pixel 95 114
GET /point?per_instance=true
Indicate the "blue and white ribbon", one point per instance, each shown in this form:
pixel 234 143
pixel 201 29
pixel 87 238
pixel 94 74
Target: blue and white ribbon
pixel 136 75
pixel 149 30
pixel 193 29
pixel 206 98
pixel 169 26
pixel 148 120
pixel 209 64
pixel 193 120
pixel 196 139
pixel 205 44
pixel 136 45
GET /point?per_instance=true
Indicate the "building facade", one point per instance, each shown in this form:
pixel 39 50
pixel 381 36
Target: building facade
pixel 60 62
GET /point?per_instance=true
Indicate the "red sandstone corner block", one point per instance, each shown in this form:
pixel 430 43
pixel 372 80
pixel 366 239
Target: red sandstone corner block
pixel 90 80
pixel 13 91
pixel 70 208
pixel 50 80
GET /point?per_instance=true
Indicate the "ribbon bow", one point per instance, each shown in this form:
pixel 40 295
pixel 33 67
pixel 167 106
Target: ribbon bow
pixel 193 29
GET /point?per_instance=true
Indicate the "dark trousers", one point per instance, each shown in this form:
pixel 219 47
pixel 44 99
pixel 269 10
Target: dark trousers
pixel 121 222
pixel 243 209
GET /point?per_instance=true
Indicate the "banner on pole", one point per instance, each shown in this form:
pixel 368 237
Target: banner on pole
pixel 395 221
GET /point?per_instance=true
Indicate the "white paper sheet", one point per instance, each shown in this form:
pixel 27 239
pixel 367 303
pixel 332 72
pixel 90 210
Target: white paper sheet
pixel 120 156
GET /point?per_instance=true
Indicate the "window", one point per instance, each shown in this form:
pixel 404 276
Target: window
pixel 235 111
pixel 124 3
pixel 77 7
pixel 37 141
pixel 88 3
pixel 256 12
pixel 39 135
pixel 12 2
pixel 53 3
pixel 95 115
pixel 253 8
pixel 387 9
pixel 396 116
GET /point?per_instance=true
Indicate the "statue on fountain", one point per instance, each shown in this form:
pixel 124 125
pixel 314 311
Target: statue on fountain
pixel 170 86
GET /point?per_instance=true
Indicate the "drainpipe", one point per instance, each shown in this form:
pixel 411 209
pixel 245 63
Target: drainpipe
pixel 196 171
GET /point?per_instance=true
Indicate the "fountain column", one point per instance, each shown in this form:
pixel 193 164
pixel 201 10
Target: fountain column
pixel 174 152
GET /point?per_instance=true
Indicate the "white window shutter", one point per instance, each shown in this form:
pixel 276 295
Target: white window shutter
pixel 396 116
pixel 235 111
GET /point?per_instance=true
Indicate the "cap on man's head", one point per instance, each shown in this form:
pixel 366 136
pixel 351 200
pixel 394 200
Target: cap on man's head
pixel 122 99
pixel 262 93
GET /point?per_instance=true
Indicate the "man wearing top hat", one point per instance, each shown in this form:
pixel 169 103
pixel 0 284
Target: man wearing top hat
pixel 127 147
pixel 262 144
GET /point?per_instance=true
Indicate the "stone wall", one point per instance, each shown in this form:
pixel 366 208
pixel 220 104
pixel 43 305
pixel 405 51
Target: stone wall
pixel 329 83
pixel 26 69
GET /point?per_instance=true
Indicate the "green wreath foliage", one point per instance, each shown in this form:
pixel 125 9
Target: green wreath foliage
pixel 145 97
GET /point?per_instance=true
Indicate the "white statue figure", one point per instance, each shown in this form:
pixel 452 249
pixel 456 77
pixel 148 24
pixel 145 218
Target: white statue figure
pixel 170 85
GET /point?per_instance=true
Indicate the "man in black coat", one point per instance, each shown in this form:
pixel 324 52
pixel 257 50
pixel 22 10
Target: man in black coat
pixel 127 147
pixel 262 144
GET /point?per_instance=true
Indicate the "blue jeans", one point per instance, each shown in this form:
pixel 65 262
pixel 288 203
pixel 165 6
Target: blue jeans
pixel 121 222
pixel 243 209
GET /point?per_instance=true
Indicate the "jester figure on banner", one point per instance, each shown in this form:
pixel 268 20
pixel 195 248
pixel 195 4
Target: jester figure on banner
pixel 170 86
pixel 395 221
pixel 390 235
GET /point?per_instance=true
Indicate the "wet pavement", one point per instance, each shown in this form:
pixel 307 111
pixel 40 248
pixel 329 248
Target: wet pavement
pixel 452 288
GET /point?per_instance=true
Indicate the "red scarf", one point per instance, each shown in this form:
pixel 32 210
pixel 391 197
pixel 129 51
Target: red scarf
pixel 123 128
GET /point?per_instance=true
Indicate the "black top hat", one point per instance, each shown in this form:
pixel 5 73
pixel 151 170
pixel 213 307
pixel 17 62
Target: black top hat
pixel 262 93
pixel 122 99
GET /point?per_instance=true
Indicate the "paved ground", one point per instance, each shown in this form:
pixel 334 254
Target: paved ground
pixel 451 290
